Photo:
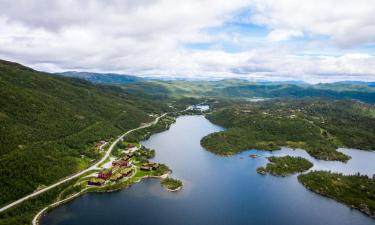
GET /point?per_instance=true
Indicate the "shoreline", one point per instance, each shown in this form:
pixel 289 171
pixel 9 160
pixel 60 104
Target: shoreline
pixel 38 216
pixel 173 190
pixel 336 200
pixel 41 213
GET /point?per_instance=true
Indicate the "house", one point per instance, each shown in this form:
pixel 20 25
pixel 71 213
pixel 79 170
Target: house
pixel 122 172
pixel 105 174
pixel 96 181
pixel 126 171
pixel 120 163
pixel 149 166
pixel 116 177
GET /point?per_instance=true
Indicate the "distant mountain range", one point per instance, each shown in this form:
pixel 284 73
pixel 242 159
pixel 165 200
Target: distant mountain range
pixel 231 88
pixel 108 78
pixel 116 78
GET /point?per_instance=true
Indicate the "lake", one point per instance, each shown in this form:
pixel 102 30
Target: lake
pixel 217 190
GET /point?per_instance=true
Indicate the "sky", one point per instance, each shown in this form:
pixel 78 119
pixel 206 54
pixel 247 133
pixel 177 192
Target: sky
pixel 310 40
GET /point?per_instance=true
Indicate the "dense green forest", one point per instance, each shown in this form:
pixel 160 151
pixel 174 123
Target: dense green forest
pixel 285 165
pixel 140 135
pixel 234 88
pixel 356 191
pixel 243 89
pixel 49 125
pixel 319 126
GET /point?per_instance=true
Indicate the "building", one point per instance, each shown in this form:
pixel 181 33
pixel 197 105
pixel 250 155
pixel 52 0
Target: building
pixel 105 174
pixel 122 172
pixel 149 166
pixel 96 181
pixel 120 162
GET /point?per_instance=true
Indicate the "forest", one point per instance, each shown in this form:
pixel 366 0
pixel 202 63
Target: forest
pixel 319 126
pixel 285 165
pixel 356 191
pixel 50 124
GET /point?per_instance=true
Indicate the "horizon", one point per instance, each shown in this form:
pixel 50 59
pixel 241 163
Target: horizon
pixel 278 41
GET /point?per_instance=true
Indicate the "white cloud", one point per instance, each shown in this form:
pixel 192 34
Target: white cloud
pixel 283 35
pixel 149 37
pixel 346 22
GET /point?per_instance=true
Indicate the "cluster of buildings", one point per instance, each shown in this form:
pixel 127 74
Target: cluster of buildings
pixel 120 168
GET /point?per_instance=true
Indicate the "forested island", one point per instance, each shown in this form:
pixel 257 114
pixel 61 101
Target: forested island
pixel 356 191
pixel 171 184
pixel 285 165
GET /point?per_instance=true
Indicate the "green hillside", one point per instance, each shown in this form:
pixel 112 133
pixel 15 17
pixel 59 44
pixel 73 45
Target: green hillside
pixel 49 125
pixel 243 89
pixel 319 126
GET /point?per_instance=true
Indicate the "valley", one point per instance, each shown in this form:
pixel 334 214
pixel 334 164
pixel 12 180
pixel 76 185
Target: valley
pixel 92 137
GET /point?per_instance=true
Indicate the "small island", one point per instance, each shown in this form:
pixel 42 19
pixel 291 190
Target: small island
pixel 171 184
pixel 356 191
pixel 284 166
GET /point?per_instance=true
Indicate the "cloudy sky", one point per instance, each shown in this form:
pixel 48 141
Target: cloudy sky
pixel 309 40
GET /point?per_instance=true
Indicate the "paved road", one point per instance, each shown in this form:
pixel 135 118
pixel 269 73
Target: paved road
pixel 95 166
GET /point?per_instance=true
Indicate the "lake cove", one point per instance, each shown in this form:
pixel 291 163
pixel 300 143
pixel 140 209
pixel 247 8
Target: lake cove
pixel 216 190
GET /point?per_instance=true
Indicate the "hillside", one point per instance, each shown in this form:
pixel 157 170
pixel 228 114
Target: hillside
pixel 106 78
pixel 243 89
pixel 49 125
pixel 319 126
pixel 232 88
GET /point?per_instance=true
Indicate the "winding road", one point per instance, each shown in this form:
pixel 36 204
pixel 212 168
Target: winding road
pixel 95 166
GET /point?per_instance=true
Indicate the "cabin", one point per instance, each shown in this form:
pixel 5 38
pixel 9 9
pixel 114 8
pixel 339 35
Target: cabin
pixel 123 172
pixel 120 163
pixel 126 171
pixel 105 174
pixel 116 177
pixel 96 181
pixel 149 166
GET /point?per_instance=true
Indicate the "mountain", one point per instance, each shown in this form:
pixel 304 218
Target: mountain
pixel 354 82
pixel 108 78
pixel 233 88
pixel 49 125
pixel 236 88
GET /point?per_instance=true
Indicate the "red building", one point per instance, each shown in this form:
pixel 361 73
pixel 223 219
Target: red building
pixel 105 174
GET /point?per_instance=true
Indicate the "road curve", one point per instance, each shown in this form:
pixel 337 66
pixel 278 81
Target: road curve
pixel 95 166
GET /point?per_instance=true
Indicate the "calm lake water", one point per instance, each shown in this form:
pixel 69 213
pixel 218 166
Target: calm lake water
pixel 217 190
